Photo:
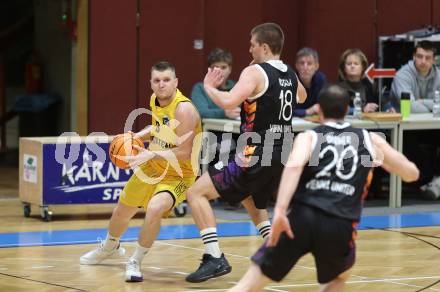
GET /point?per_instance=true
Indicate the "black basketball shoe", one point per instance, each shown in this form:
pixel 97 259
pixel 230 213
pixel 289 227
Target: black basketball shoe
pixel 210 267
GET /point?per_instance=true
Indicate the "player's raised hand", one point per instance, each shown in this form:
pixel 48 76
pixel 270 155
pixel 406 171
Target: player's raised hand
pixel 280 224
pixel 213 78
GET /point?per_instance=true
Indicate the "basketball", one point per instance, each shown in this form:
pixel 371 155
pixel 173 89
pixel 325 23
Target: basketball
pixel 122 145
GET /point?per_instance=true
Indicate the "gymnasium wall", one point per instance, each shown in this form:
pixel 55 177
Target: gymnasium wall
pixel 112 64
pixel 54 50
pixel 122 48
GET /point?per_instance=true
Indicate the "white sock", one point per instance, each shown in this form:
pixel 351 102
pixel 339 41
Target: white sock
pixel 264 228
pixel 210 240
pixel 139 253
pixel 110 242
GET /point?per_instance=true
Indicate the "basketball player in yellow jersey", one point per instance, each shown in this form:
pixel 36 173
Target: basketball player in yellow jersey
pixel 165 172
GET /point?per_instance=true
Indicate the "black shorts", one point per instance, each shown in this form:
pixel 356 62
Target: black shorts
pixel 330 239
pixel 235 182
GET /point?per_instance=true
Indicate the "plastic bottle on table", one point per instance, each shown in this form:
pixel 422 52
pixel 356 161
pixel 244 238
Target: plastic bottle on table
pixel 357 104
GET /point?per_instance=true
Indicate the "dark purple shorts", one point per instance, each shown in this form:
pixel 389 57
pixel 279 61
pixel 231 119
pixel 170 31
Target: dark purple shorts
pixel 234 182
pixel 330 239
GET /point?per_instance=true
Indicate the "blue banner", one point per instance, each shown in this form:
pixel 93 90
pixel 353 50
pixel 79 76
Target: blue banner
pixel 91 178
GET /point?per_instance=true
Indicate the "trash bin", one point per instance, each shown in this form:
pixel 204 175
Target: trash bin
pixel 38 114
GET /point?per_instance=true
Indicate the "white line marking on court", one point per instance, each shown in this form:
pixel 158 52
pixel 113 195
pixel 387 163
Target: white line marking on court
pixel 274 288
pixel 265 288
pixel 199 249
pixel 175 272
pixel 399 279
pixel 403 284
pixel 58 243
pixel 205 290
pixel 230 254
pixel 42 267
pixel 270 288
pixel 3 269
pixel 36 259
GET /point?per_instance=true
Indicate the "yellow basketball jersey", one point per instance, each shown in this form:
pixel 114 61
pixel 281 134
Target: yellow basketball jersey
pixel 163 137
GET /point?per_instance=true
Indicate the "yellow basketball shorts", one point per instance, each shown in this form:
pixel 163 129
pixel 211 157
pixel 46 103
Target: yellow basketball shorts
pixel 141 187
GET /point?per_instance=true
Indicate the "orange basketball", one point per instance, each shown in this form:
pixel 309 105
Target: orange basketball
pixel 122 145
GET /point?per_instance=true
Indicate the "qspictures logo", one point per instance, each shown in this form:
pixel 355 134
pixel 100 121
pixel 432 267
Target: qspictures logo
pixel 161 149
pixel 30 168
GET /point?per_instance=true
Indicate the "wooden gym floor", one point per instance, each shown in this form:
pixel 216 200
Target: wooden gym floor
pixel 396 259
pixel 394 252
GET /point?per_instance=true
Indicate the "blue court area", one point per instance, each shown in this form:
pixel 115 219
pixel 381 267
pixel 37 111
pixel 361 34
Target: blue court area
pixel 83 236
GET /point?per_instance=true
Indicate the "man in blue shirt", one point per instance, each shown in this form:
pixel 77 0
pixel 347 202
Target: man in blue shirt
pixel 307 65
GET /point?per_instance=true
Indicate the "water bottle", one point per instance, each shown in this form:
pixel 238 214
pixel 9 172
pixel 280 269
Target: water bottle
pixel 357 103
pixel 405 104
pixel 436 106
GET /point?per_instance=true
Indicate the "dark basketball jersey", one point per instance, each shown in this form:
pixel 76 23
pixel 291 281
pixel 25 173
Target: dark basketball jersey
pixel 271 111
pixel 338 171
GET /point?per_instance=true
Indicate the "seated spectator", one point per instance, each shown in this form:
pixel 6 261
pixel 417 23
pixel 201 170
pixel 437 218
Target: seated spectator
pixel 225 145
pixel 420 77
pixel 307 65
pixel 352 67
pixel 222 59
